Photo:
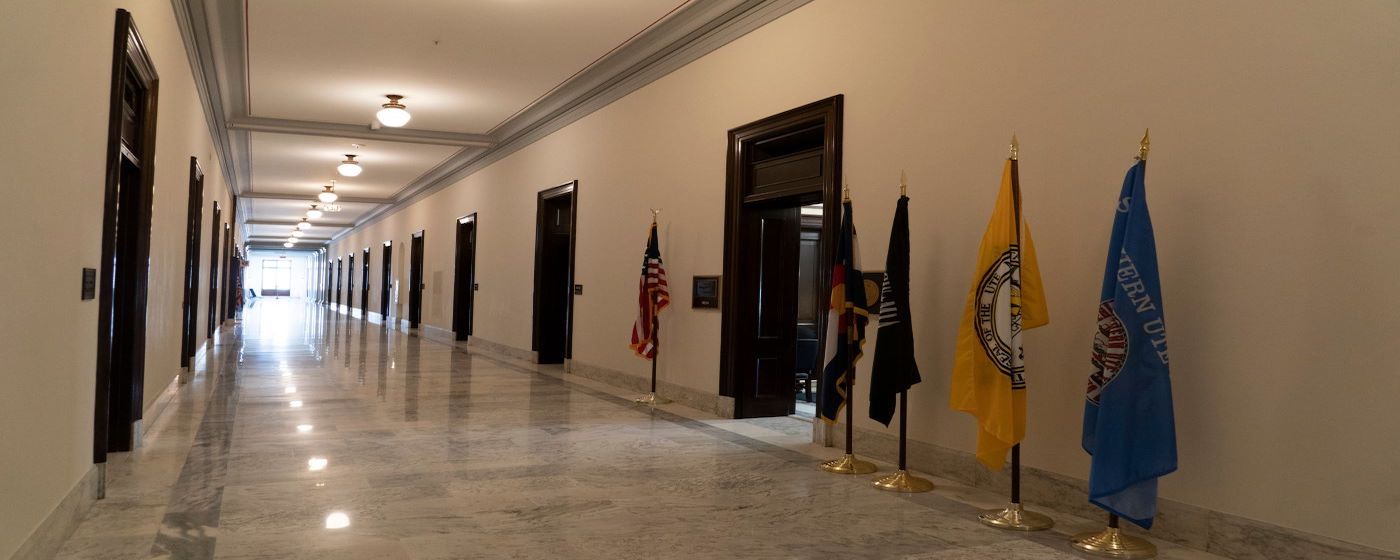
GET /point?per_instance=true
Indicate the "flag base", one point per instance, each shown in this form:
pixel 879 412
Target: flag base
pixel 902 481
pixel 651 399
pixel 849 464
pixel 1112 543
pixel 1016 518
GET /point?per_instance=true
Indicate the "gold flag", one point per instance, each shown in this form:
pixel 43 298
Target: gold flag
pixel 1006 297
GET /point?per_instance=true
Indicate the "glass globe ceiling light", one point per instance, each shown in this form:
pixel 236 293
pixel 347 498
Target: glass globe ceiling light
pixel 349 167
pixel 328 195
pixel 393 114
pixel 314 212
pixel 298 233
pixel 303 224
pixel 287 245
pixel 291 240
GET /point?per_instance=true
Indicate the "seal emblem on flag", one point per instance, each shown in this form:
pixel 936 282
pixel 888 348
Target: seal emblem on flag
pixel 1110 351
pixel 999 316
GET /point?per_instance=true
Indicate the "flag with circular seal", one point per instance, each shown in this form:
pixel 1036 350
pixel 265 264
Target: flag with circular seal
pixel 989 378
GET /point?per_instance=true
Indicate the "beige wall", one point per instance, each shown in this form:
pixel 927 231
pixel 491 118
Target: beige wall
pixel 57 62
pixel 1272 183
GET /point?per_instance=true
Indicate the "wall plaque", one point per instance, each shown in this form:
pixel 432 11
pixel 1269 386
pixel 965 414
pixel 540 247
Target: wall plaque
pixel 704 292
pixel 89 283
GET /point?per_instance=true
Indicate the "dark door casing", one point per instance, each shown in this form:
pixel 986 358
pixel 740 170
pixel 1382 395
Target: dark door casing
pixel 364 285
pixel 385 272
pixel 555 229
pixel 415 279
pixel 214 231
pixel 194 221
pixel 126 242
pixel 775 165
pixel 464 288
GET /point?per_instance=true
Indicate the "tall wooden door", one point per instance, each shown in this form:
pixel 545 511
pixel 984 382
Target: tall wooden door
pixel 364 284
pixel 464 288
pixel 193 228
pixel 415 278
pixel 386 266
pixel 770 329
pixel 555 226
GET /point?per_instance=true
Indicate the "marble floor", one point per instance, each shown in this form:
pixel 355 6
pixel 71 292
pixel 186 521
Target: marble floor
pixel 308 434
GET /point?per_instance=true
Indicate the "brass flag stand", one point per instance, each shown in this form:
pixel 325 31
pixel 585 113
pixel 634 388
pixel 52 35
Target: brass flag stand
pixel 901 480
pixel 848 463
pixel 1112 542
pixel 651 399
pixel 1014 516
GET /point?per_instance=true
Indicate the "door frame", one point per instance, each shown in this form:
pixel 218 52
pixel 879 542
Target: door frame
pixel 130 58
pixel 214 231
pixel 417 245
pixel 827 112
pixel 194 225
pixel 464 297
pixel 364 281
pixel 569 188
pixel 386 274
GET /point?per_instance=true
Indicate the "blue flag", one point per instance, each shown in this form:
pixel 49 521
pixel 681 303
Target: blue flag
pixel 1128 424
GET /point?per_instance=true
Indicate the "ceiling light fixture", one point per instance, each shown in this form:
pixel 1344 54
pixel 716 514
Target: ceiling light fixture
pixel 314 212
pixel 303 224
pixel 349 167
pixel 328 195
pixel 297 233
pixel 288 245
pixel 393 114
pixel 292 240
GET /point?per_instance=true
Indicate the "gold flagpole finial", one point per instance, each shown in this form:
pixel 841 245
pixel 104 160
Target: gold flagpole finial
pixel 903 183
pixel 846 189
pixel 654 213
pixel 1015 148
pixel 1144 145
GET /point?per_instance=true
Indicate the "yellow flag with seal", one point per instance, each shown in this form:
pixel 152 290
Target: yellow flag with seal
pixel 989 378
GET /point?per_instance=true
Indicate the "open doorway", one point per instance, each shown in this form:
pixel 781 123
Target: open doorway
pixel 464 288
pixel 126 244
pixel 555 227
pixel 415 279
pixel 339 281
pixel 783 174
pixel 385 278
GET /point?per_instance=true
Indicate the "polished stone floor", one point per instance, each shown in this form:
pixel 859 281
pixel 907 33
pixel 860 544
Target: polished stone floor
pixel 308 434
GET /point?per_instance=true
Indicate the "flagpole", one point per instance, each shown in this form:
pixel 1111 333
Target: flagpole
pixel 848 463
pixel 901 480
pixel 1015 516
pixel 651 399
pixel 1111 542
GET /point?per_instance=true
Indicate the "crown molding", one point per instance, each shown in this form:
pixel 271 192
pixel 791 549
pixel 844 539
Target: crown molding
pixel 360 132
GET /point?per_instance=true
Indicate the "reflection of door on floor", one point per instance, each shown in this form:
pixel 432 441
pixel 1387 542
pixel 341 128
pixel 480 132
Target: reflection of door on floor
pixel 276 278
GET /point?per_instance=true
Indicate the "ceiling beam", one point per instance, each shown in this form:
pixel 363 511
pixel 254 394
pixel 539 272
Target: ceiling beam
pixel 293 224
pixel 360 132
pixel 311 198
pixel 278 247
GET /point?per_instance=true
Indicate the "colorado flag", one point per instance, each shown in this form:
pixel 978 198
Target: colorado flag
pixel 1128 424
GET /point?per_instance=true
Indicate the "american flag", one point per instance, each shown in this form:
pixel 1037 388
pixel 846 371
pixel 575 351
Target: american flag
pixel 652 297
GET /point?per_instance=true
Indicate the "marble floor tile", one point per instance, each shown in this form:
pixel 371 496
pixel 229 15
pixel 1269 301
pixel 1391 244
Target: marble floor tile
pixel 311 435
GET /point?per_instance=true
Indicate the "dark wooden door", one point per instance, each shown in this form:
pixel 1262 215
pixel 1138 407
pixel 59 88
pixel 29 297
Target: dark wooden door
pixel 415 278
pixel 464 288
pixel 555 227
pixel 214 230
pixel 770 331
pixel 194 222
pixel 364 284
pixel 339 280
pixel 386 267
pixel 350 283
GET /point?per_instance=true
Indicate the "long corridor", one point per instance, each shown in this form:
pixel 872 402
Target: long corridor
pixel 312 435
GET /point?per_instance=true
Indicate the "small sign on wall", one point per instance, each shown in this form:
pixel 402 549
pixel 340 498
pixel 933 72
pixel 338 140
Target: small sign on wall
pixel 89 283
pixel 704 292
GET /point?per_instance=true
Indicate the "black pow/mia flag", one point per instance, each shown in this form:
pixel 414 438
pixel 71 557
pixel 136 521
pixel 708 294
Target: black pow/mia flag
pixel 894 369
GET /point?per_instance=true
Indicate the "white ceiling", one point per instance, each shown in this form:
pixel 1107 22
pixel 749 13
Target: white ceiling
pixel 463 66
